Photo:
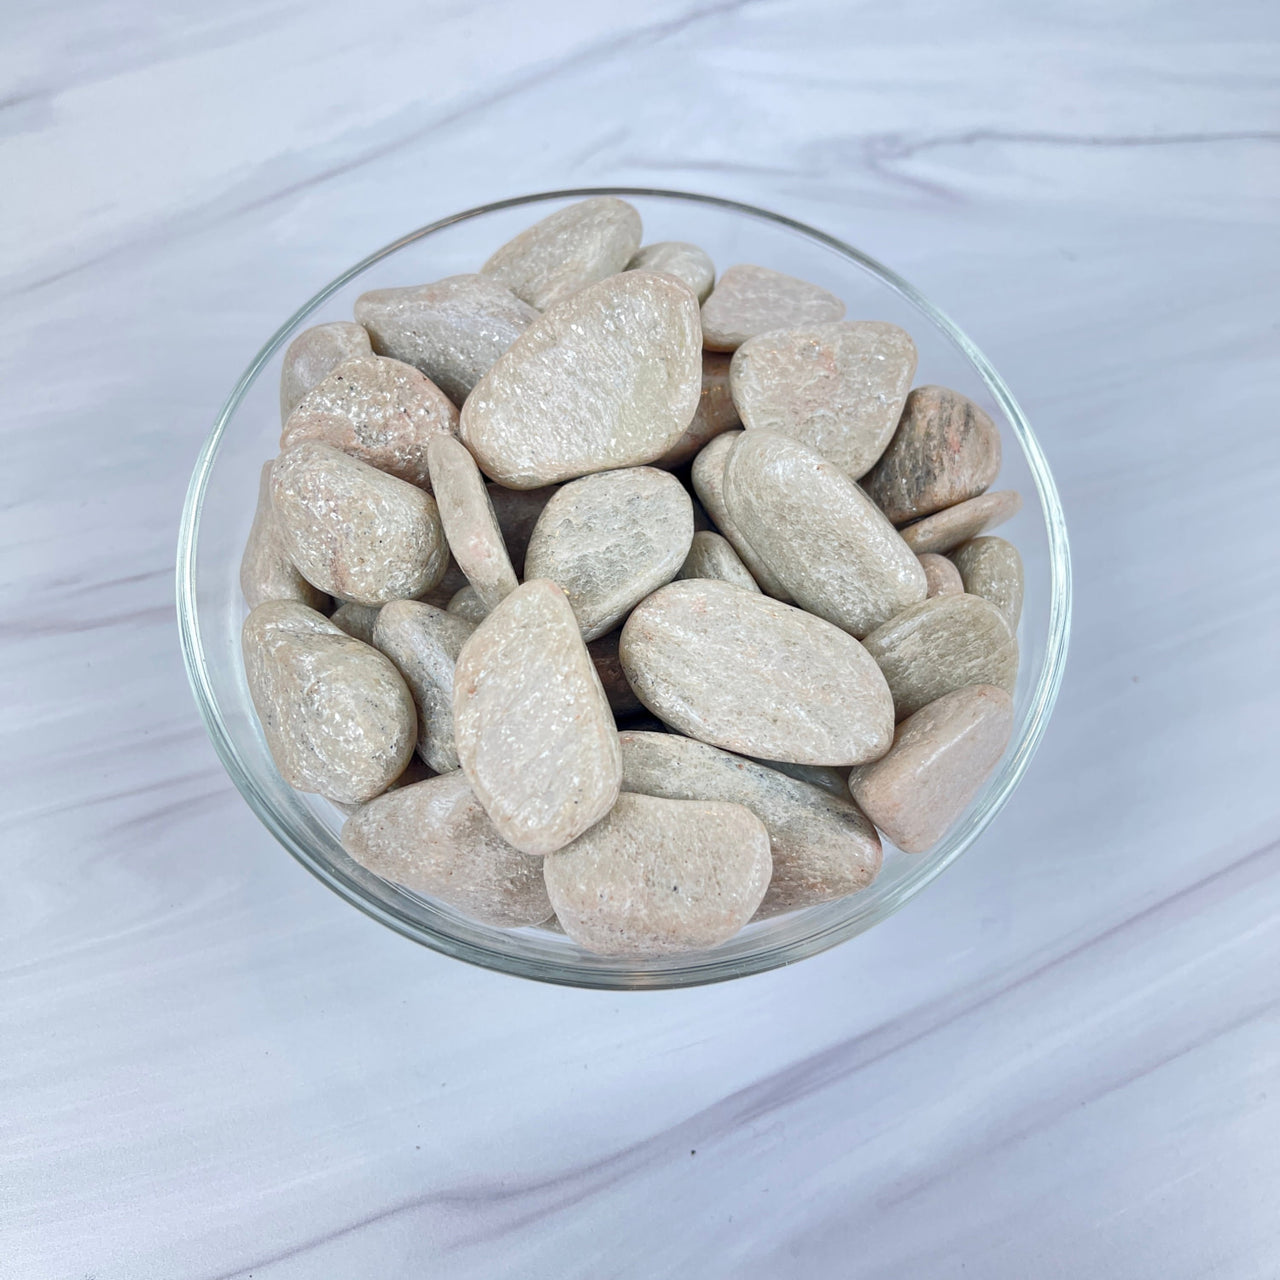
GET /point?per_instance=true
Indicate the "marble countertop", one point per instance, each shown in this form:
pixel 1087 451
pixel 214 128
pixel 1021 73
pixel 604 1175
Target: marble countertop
pixel 1061 1061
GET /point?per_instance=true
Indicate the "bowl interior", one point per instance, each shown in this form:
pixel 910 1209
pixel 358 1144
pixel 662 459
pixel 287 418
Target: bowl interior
pixel 220 507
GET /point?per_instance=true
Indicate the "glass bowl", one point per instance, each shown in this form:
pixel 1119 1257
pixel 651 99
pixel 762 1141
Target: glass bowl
pixel 224 488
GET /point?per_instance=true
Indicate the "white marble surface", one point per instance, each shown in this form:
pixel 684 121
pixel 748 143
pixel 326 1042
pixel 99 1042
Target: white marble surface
pixel 1061 1061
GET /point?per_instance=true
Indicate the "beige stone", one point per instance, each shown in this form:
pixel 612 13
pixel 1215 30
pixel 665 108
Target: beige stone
pixel 992 568
pixel 381 411
pixel 610 378
pixel 336 715
pixel 424 642
pixel 748 300
pixel 470 525
pixel 357 620
pixel 353 530
pixel 821 536
pixel 568 250
pixel 839 388
pixel 658 877
pixel 945 450
pixel 822 846
pixel 315 353
pixel 713 556
pixel 947 529
pixel 715 415
pixel 610 539
pixel 467 604
pixel 266 572
pixel 708 483
pixel 532 725
pixel 452 330
pixel 755 676
pixel 517 512
pixel 942 576
pixel 939 760
pixel 943 644
pixel 677 258
pixel 622 698
pixel 435 839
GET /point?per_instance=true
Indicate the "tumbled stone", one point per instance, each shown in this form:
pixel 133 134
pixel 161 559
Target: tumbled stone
pixel 939 760
pixel 715 415
pixel 713 556
pixel 424 642
pixel 353 530
pixel 708 483
pixel 839 388
pixel 532 725
pixel 610 539
pixel 821 536
pixel 266 572
pixel 992 568
pixel 467 604
pixel 435 839
pixel 610 378
pixel 357 620
pixel 568 250
pixel 822 846
pixel 622 697
pixel 942 576
pixel 945 450
pixel 944 644
pixel 677 258
pixel 517 512
pixel 947 529
pixel 755 676
pixel 336 715
pixel 748 300
pixel 452 330
pixel 658 877
pixel 470 525
pixel 314 354
pixel 378 410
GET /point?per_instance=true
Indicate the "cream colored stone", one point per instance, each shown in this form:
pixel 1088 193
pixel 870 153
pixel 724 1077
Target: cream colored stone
pixel 658 877
pixel 610 539
pixel 610 378
pixel 266 572
pixel 517 512
pixel 943 644
pixel 939 760
pixel 755 676
pixel 712 556
pixel 467 604
pixel 748 300
pixel 452 330
pixel 568 250
pixel 839 388
pixel 821 536
pixel 357 620
pixel 435 839
pixel 944 451
pixel 822 846
pixel 715 414
pixel 424 642
pixel 622 698
pixel 353 530
pixel 677 258
pixel 947 529
pixel 532 725
pixel 942 576
pixel 313 355
pixel 336 715
pixel 992 568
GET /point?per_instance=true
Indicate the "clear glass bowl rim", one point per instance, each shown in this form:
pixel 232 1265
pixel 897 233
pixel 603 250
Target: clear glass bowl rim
pixel 708 967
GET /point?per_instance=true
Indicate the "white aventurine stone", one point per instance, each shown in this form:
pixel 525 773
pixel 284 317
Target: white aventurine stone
pixel 313 354
pixel 677 258
pixel 748 300
pixel 711 556
pixel 992 568
pixel 947 529
pixel 266 572
pixel 357 620
pixel 943 577
pixel 467 604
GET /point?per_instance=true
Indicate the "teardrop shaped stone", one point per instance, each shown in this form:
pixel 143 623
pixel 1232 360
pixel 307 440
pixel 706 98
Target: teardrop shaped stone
pixel 748 300
pixel 992 568
pixel 313 355
pixel 680 259
pixel 266 572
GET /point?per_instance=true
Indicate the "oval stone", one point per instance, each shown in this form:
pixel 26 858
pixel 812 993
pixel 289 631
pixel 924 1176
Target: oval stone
pixel 517 512
pixel 755 676
pixel 353 530
pixel 820 535
pixel 657 877
pixel 452 330
pixel 992 568
pixel 945 450
pixel 711 556
pixel 568 250
pixel 314 354
pixel 336 715
pixel 380 411
pixel 610 539
pixel 677 258
pixel 610 378
pixel 943 644
pixel 947 529
pixel 839 388
pixel 435 839
pixel 715 414
pixel 941 575
pixel 748 300
pixel 822 846
pixel 939 760
pixel 266 572
pixel 532 725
